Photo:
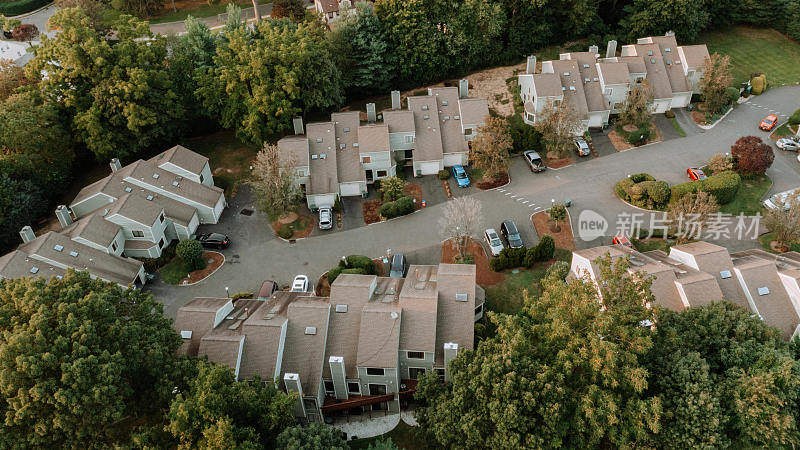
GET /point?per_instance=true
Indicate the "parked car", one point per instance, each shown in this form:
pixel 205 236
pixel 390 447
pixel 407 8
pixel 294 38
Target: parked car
pixel 769 122
pixel 213 240
pixel 300 284
pixel 621 240
pixel 781 198
pixel 509 231
pixel 398 266
pixel 695 174
pixel 534 161
pixel 494 242
pixel 461 176
pixel 789 144
pixel 268 287
pixel 582 146
pixel 325 218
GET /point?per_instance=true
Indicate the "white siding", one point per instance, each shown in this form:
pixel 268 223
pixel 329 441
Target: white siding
pixel 352 189
pixel 177 170
pixel 90 204
pixel 452 159
pixel 319 200
pixel 428 167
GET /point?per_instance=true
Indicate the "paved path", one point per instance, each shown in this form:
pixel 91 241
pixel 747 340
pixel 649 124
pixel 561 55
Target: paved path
pixel 257 255
pixel 212 22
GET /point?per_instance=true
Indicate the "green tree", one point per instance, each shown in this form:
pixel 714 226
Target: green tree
pixel 490 149
pixel 637 107
pixel 476 38
pixel 558 214
pixel 77 358
pixel 189 53
pixel 216 411
pixel 292 9
pixel 261 79
pixel 22 202
pixel 12 76
pixel 530 27
pixel 562 373
pixel 139 8
pixel 715 81
pixel 312 437
pixel 687 18
pixel 191 252
pixel 392 188
pixel 118 92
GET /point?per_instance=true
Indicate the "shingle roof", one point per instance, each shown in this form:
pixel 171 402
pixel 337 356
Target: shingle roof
pixel 570 76
pixel 379 335
pixel 546 85
pixel 17 264
pixel 222 349
pixel 399 121
pixel 452 134
pixel 657 77
pixel 713 259
pixel 455 318
pixel 775 307
pixel 183 158
pixel 474 111
pixel 694 55
pixel 328 5
pixel 307 350
pixel 354 291
pixel 428 132
pixel 614 72
pixel 348 160
pixel 294 147
pixel 373 138
pixel 324 172
pixel 142 175
pixel 93 228
pixel 135 208
pixel 635 64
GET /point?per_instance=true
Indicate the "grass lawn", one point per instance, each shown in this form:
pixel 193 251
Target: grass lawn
pixel 229 158
pixel 646 245
pixel 748 199
pixel 756 50
pixel 174 271
pixel 677 127
pixel 195 9
pixel 403 436
pixel 506 297
pixel 766 238
pixel 783 131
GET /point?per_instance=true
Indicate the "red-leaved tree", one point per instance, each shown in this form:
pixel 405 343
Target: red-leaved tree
pixel 25 32
pixel 751 156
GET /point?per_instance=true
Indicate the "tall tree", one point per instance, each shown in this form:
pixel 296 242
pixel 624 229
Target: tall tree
pixel 312 437
pixel 751 156
pixel 689 214
pixel 12 76
pixel 559 124
pixel 119 93
pixel 530 27
pixel 190 53
pixel 474 37
pixel 715 81
pixel 274 181
pixel 77 358
pixel 784 220
pixel 637 107
pixel 687 18
pixel 292 9
pixel 490 149
pixel 460 221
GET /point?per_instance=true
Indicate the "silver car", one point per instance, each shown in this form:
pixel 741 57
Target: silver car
pixel 325 218
pixel 789 144
pixel 493 241
pixel 583 147
pixel 782 199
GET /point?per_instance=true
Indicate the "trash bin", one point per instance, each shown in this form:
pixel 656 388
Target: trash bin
pixel 568 203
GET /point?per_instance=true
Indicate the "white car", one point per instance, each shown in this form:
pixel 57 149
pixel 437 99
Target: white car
pixel 493 241
pixel 325 218
pixel 781 199
pixel 788 144
pixel 300 284
pixel 583 147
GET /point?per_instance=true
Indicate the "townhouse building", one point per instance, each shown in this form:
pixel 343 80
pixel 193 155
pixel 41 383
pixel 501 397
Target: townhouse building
pixel 135 211
pixel 596 87
pixel 699 273
pixel 343 156
pixel 361 348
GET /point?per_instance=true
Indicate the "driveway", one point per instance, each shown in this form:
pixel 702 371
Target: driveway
pixel 602 144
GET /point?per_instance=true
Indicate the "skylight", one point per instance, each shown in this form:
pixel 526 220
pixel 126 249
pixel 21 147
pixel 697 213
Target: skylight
pixel 725 274
pixel 341 308
pixel 763 290
pixel 34 269
pixel 128 189
pixel 311 330
pixel 155 175
pixel 461 297
pixel 58 248
pixel 73 253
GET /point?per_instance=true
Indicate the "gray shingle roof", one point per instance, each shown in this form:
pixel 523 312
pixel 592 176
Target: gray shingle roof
pixel 379 335
pixel 183 158
pixel 614 72
pixel 296 147
pixel 324 172
pixel 348 160
pixel 428 131
pixel 452 133
pixel 307 350
pixel 399 121
pixel 94 228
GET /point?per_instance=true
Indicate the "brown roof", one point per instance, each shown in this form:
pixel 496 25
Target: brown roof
pixel 379 335
pixel 428 132
pixel 455 318
pixel 657 77
pixel 294 147
pixel 183 158
pixel 775 307
pixel 324 172
pixel 307 350
pixel 474 111
pixel 373 138
pixel 546 85
pixel 200 193
pixel 713 260
pixel 614 72
pixel 399 121
pixel 354 291
pixel 348 161
pixel 635 64
pixel 136 208
pixel 264 329
pixel 93 228
pixel 569 73
pixel 17 264
pixel 328 5
pixel 222 349
pixel 452 133
pixel 419 300
pixel 694 55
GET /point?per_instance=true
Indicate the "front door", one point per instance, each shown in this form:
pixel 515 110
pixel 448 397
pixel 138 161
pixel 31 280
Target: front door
pixel 369 175
pixel 416 372
pixel 378 389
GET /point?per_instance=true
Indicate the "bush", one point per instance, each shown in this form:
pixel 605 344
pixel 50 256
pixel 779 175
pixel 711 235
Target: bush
pixel 444 174
pixel 795 118
pixel 638 137
pixel 361 262
pixel 658 191
pixel 388 210
pixel 546 248
pixel 355 270
pixel 467 259
pixel 9 9
pixel 621 188
pixel 723 186
pixel 639 177
pixel 392 188
pixel 515 257
pixel 400 207
pixel 669 114
pixel 759 84
pixel 337 204
pixel 243 294
pixel 334 273
pixel 733 95
pixel 679 190
pixel 285 231
pixel 559 269
pixel 524 136
pixel 642 190
pixel 499 263
pixel 151 265
pixel 191 252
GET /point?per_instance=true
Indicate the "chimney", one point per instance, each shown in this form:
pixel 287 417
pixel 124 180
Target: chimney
pixel 463 88
pixel 115 165
pixel 292 383
pixel 298 125
pixel 26 233
pixel 64 216
pixel 611 50
pixel 338 376
pixel 669 33
pixel 396 100
pixel 593 49
pixel 450 353
pixel 370 112
pixel 531 66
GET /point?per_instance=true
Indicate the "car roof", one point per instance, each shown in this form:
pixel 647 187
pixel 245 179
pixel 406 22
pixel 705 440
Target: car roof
pixel 490 231
pixel 510 225
pixel 771 116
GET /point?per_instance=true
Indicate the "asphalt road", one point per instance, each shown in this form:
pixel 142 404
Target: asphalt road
pixel 256 254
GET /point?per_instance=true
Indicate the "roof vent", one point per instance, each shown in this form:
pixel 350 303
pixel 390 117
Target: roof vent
pixel 586 80
pixel 355 144
pixel 456 117
pixel 725 274
pixel 34 269
pixel 572 88
pixel 73 253
pixel 444 102
pixel 314 156
pixel 346 129
pixel 155 175
pixel 649 53
pixel 322 156
pixel 58 248
pixel 667 50
pixel 563 88
pixel 585 66
pixel 446 117
pixel 175 183
pixel 149 197
pixel 461 297
pixel 596 79
pixel 566 74
pixel 763 290
pixel 318 140
pixel 426 117
pixel 393 315
pixel 342 146
pixel 341 308
pixel 677 61
pixel 669 63
pixel 128 189
pixel 186 334
pixel 424 107
pixel 652 60
pixel 311 330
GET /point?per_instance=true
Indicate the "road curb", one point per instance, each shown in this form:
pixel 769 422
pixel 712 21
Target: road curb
pixel 207 276
pixel 21 16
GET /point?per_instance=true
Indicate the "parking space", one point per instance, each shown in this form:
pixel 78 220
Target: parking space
pixel 602 144
pixel 664 125
pixel 352 214
pixel 581 159
pixel 432 190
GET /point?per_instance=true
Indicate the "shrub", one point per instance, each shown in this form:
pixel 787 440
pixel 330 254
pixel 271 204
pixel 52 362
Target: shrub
pixel 621 188
pixel 515 257
pixel 751 156
pixel 392 188
pixel 334 273
pixel 795 118
pixel 758 84
pixel 669 114
pixel 405 205
pixel 285 231
pixel 499 263
pixel 639 177
pixel 638 137
pixel 444 174
pixel 723 186
pixel 559 269
pixel 191 252
pixel 355 270
pixel 719 163
pixel 151 265
pixel 243 294
pixel 16 8
pixel 388 210
pixel 658 192
pixel 360 262
pixel 733 94
pixel 679 190
pixel 546 248
pixel 467 259
pixel 337 204
pixel 644 191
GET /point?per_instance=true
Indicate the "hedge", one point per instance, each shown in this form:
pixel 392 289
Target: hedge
pixel 723 186
pixel 358 264
pixel 644 191
pixel 9 9
pixel 559 269
pixel 524 257
pixel 397 208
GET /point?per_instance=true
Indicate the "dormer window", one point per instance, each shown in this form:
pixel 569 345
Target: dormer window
pixel 155 176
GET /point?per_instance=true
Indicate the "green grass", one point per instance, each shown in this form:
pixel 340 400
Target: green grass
pixel 652 244
pixel 756 50
pixel 229 158
pixel 507 296
pixel 783 131
pixel 174 271
pixel 203 10
pixel 677 127
pixel 403 436
pixel 748 199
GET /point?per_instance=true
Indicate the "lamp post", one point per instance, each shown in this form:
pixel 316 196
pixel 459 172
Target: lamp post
pixel 227 292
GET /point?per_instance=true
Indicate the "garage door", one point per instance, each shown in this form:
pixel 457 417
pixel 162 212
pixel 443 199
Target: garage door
pixel 454 159
pixel 318 201
pixel 661 106
pixel 429 168
pixel 596 120
pixel 349 189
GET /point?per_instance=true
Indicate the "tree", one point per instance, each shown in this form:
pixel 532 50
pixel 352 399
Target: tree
pixel 191 52
pixel 311 437
pixel 120 96
pixel 474 37
pixel 689 213
pixel 8 24
pixel 490 149
pixel 751 156
pixel 637 107
pixel 77 357
pixel 715 81
pixel 191 252
pixel 138 8
pixel 216 411
pixel 22 202
pixel 392 188
pixel 784 220
pixel 94 10
pixel 460 221
pixel 720 163
pixel 559 124
pixel 12 76
pixel 687 18
pixel 261 79
pixel 25 32
pixel 564 372
pixel 274 181
pixel 558 214
pixel 292 9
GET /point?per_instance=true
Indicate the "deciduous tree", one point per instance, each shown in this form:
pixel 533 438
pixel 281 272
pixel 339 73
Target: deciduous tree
pixel 558 214
pixel 720 163
pixel 12 76
pixel 751 156
pixel 292 9
pixel 312 437
pixel 690 213
pixel 784 220
pixel 460 221
pixel 474 34
pixel 25 32
pixel 687 18
pixel 392 188
pixel 274 181
pixel 559 124
pixel 715 81
pixel 638 106
pixel 490 149
pixel 191 252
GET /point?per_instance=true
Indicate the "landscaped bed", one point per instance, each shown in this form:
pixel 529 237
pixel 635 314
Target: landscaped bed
pixel 371 209
pixel 484 275
pixel 175 272
pixel 563 237
pixel 507 296
pixel 619 137
pixel 491 183
pixel 293 226
pixel 558 163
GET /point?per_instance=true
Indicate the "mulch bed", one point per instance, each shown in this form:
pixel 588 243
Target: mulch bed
pixel 563 238
pixel 446 187
pixel 557 163
pixel 699 114
pixel 370 210
pixel 307 220
pixel 213 261
pixel 493 182
pixel 414 191
pixel 484 275
pixel 621 144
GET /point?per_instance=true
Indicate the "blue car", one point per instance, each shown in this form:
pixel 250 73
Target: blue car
pixel 461 176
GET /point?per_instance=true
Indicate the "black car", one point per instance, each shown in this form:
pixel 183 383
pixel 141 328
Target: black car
pixel 509 231
pixel 214 240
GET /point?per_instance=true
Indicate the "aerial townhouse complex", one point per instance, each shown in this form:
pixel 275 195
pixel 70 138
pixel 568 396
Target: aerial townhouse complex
pixel 698 273
pixel 361 348
pixel 136 211
pixel 597 87
pixel 343 156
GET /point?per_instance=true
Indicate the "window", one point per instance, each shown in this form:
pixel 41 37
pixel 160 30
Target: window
pixel 329 386
pixel 161 218
pixel 382 173
pixel 375 371
pixel 113 246
pixel 416 355
pixel 440 372
pixel 161 243
pixel 201 178
pixel 346 129
pixel 310 403
pixel 137 233
pixel 479 309
pixel 377 389
pixel 409 139
pixel 763 290
pixel 353 387
pixel 415 373
pixel 462 297
pixel 366 159
pixel 467 131
pixel 408 154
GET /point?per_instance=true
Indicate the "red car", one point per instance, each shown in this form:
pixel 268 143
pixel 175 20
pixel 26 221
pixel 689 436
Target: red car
pixel 621 240
pixel 695 174
pixel 769 122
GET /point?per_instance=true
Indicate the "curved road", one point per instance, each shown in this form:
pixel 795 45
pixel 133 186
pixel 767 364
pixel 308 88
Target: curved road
pixel 257 255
